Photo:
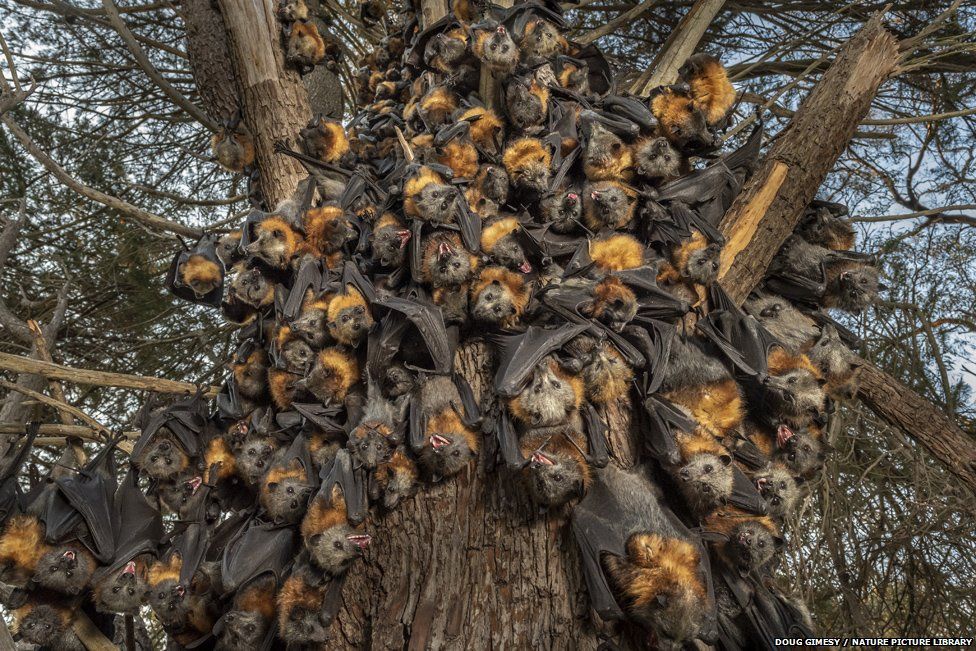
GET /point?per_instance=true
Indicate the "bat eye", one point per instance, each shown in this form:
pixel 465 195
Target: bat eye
pixel 558 477
pixel 762 543
pixel 116 589
pixel 456 453
pixel 337 544
pixel 708 468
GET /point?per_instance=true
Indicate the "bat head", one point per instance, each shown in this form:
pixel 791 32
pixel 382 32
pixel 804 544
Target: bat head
pixel 123 591
pixel 706 480
pixel 334 549
pixel 390 246
pixel 541 39
pixel 797 394
pixel 448 453
pixel 369 444
pixel 243 629
pixel 66 569
pixel 800 450
pixel 168 599
pixel 296 355
pixel 562 209
pixel 251 287
pixel 164 457
pixel 493 183
pixel 751 545
pixel 656 158
pixel 857 288
pixel 43 625
pixel 555 478
pixel 779 489
pixel 436 202
pixel 550 397
pixel 201 274
pixel 606 204
pixel 703 264
pixel 494 304
pixel 450 266
pixel 255 457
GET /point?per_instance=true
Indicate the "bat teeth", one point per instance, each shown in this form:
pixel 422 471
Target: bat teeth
pixel 360 540
pixel 525 267
pixel 130 569
pixel 783 435
pixel 540 459
pixel 438 441
pixel 69 555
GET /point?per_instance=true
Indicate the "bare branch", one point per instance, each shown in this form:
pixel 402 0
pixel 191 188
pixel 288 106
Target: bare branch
pixel 57 404
pixel 154 222
pixel 622 19
pixel 133 45
pixel 49 370
pixel 942 217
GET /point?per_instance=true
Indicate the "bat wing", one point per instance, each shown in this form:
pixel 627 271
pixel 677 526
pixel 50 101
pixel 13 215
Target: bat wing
pixel 508 441
pixel 738 336
pixel 309 277
pixel 138 524
pixel 631 109
pixel 746 452
pixel 469 223
pixel 10 494
pixel 848 336
pixel 663 420
pixel 596 437
pixel 320 416
pixel 518 355
pixel 653 339
pixel 90 493
pixel 428 321
pixel 805 290
pixel 652 301
pixel 340 472
pixel 258 548
pixel 744 493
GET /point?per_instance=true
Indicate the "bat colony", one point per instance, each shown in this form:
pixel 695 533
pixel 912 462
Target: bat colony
pixel 573 229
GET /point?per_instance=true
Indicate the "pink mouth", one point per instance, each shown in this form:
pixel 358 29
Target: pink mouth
pixel 525 268
pixel 573 196
pixel 180 590
pixel 783 436
pixel 360 540
pixel 439 441
pixel 194 483
pixel 130 569
pixel 594 195
pixel 541 459
pixel 444 249
pixel 761 484
pixel 501 29
pixel 69 555
pixel 404 238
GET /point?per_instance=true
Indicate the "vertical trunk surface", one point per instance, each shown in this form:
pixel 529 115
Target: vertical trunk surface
pixel 273 98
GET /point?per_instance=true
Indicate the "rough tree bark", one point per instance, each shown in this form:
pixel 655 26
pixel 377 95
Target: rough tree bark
pixel 273 99
pixel 770 205
pixel 468 563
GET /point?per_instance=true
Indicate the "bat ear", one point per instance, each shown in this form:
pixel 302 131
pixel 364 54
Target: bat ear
pixel 662 601
pixel 273 486
pixel 779 542
pixel 725 459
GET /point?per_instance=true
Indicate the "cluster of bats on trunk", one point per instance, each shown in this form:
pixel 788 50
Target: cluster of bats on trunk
pixel 569 227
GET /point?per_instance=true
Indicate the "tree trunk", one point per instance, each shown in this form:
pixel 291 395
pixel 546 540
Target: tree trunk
pixel 769 207
pixel 273 100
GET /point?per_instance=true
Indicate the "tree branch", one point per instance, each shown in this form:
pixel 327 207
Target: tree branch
pixel 133 45
pixel 611 26
pixel 154 222
pixel 678 47
pixel 49 370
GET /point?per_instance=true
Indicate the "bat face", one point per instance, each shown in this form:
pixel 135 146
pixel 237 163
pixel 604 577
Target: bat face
pixel 390 246
pixel 368 446
pixel 252 288
pixel 796 394
pixel 311 326
pixel 498 50
pixel 65 569
pixel 398 381
pixel 334 549
pixel 43 625
pixel 606 375
pixel 508 253
pixel 436 203
pixel 291 10
pixel 181 496
pixel 563 210
pixel 243 629
pixel 229 248
pixel 607 205
pixel 554 478
pixel 285 499
pixel 800 450
pixel 255 458
pixel 122 592
pixel 297 356
pixel 541 40
pixel 168 599
pixel 233 151
pixel 399 484
pixel 273 247
pixel 351 325
pixel 163 459
pixel 525 109
pixel 827 230
pixel 493 183
pixel 548 400
pixel 856 288
pixel 603 149
pixel 303 626
pixel 494 304
pixel 830 354
pixel 447 453
pixel 656 158
pixel 778 488
pixel 449 265
pixel 751 545
pixel 703 265
pixel 443 52
pixel 706 480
